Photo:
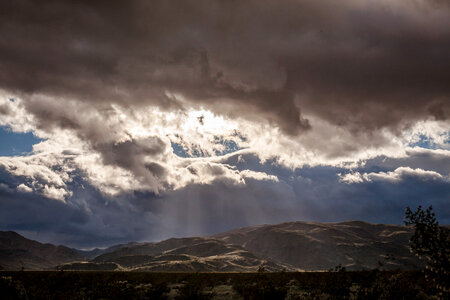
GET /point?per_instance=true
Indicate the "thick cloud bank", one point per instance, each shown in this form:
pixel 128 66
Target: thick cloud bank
pixel 362 64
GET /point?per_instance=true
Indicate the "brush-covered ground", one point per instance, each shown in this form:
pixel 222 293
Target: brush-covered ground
pixel 336 284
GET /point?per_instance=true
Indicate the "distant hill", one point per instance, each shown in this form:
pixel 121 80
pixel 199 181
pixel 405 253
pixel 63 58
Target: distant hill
pixel 17 252
pixel 90 254
pixel 194 254
pixel 288 246
pixel 321 246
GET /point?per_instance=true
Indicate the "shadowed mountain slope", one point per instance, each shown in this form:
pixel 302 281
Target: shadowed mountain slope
pixel 17 252
pixel 321 246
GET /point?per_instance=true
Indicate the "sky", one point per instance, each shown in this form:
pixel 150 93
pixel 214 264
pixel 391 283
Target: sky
pixel 143 120
pixel 16 143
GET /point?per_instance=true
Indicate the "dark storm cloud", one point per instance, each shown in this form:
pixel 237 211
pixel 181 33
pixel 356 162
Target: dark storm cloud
pixel 376 201
pixel 320 195
pixel 361 64
pixel 89 218
pixel 131 155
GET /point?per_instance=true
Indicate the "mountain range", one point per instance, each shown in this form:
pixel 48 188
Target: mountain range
pixel 292 246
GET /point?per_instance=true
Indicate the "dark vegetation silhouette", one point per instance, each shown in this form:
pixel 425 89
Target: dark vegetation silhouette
pixel 374 284
pixel 431 243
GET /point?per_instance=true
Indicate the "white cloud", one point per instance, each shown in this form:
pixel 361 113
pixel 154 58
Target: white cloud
pixel 57 193
pixel 24 188
pixel 258 175
pixel 401 173
pixel 349 178
pixel 435 133
pixel 38 170
pixel 110 180
pixel 395 176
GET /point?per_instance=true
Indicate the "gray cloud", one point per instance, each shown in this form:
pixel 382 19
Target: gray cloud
pixel 132 155
pixel 363 65
pixel 93 125
pixel 4 110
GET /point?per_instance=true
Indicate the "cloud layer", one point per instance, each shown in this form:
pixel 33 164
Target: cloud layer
pixel 160 118
pixel 359 64
pixel 91 218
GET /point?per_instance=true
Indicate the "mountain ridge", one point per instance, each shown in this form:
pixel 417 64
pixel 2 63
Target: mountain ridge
pixel 312 245
pixel 299 245
pixel 17 252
